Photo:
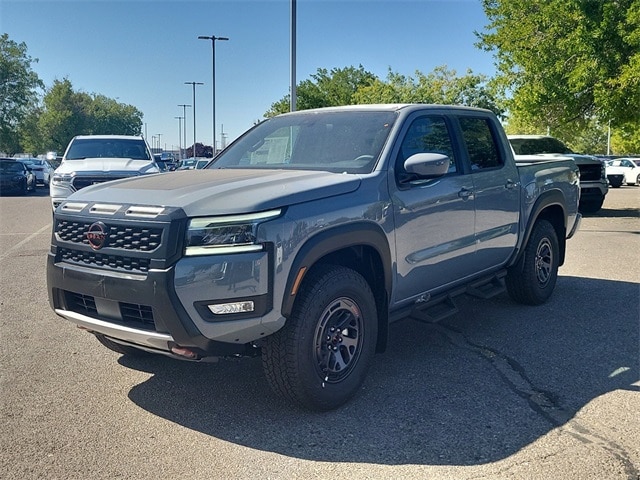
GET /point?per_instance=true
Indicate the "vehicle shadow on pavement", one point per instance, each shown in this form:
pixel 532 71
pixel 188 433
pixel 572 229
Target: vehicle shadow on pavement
pixel 473 389
pixel 615 213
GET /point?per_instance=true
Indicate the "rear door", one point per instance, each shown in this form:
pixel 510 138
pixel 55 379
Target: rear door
pixel 496 187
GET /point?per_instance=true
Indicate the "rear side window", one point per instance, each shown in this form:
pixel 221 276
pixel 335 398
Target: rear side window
pixel 480 142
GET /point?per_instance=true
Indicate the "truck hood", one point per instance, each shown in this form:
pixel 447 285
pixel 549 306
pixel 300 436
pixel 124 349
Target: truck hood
pixel 219 192
pixel 92 165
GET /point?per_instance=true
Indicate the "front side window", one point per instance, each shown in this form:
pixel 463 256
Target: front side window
pixel 428 134
pixel 480 142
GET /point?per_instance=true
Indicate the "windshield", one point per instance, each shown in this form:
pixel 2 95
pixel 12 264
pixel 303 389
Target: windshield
pixel 345 141
pixel 11 167
pixel 536 146
pixel 134 149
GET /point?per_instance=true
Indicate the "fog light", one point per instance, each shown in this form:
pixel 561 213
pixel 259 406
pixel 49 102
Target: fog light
pixel 234 307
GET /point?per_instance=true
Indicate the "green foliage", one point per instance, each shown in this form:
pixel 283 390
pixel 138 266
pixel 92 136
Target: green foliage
pixel 442 86
pixel 349 86
pixel 19 91
pixel 29 123
pixel 67 113
pixel 625 139
pixel 326 89
pixel 565 62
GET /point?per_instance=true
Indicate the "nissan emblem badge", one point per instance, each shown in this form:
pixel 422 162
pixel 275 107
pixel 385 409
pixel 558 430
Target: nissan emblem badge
pixel 97 235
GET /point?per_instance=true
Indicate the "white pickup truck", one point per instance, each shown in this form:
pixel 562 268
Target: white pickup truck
pixel 593 179
pixel 92 159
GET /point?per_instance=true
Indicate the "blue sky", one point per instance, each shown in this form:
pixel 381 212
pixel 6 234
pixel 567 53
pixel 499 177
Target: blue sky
pixel 141 52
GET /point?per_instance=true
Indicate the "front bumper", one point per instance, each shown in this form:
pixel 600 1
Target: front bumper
pixel 139 290
pixel 168 308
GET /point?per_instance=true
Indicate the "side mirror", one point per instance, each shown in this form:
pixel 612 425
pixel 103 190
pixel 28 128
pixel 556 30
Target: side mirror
pixel 427 165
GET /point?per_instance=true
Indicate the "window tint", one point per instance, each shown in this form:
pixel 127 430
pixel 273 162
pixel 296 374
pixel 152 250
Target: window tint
pixel 425 135
pixel 535 146
pixel 102 148
pixel 12 167
pixel 480 143
pixel 330 141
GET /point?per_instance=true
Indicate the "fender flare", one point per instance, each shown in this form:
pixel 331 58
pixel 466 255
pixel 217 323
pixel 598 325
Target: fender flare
pixel 333 240
pixel 545 200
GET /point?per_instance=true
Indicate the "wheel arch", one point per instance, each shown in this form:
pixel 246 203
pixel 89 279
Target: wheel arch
pixel 549 206
pixel 362 247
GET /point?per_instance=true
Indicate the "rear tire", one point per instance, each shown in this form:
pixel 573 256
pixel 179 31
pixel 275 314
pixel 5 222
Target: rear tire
pixel 116 347
pixel 320 358
pixel 532 279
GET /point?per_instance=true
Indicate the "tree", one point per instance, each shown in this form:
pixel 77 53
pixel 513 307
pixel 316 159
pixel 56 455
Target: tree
pixel 441 86
pixel 349 86
pixel 566 62
pixel 107 116
pixel 19 91
pixel 204 151
pixel 67 113
pixel 326 89
pixel 64 115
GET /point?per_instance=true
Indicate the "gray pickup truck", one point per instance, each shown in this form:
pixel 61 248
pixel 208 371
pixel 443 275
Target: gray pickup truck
pixel 308 236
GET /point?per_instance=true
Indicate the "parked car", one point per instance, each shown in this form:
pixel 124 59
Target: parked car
pixel 93 159
pixel 187 164
pixel 623 170
pixel 202 162
pixel 593 180
pixel 41 168
pixel 16 177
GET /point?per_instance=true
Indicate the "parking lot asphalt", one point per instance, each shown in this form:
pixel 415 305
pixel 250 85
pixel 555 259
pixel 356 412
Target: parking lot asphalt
pixel 498 391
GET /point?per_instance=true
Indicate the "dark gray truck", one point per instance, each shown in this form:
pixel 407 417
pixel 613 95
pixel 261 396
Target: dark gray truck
pixel 308 236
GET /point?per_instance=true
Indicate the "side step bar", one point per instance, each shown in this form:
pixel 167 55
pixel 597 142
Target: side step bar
pixel 443 306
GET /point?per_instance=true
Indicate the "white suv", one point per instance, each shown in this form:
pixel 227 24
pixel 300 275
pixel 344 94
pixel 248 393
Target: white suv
pixel 91 159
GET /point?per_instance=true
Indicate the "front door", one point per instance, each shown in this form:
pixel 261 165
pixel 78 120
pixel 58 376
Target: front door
pixel 434 219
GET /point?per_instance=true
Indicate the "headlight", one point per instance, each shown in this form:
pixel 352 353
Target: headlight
pixel 63 177
pixel 231 234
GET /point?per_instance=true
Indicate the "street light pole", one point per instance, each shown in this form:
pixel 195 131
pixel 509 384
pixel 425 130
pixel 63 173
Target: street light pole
pixel 213 39
pixel 184 116
pixel 179 137
pixel 159 144
pixel 194 113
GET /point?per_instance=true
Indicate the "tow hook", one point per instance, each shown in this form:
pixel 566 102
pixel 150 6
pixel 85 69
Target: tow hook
pixel 184 352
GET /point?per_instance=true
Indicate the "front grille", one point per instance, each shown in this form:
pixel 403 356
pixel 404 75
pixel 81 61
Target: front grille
pixel 145 239
pixel 85 181
pixel 115 262
pixel 131 314
pixel 590 172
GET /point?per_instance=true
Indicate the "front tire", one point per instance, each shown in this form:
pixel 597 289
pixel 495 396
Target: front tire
pixel 532 279
pixel 320 358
